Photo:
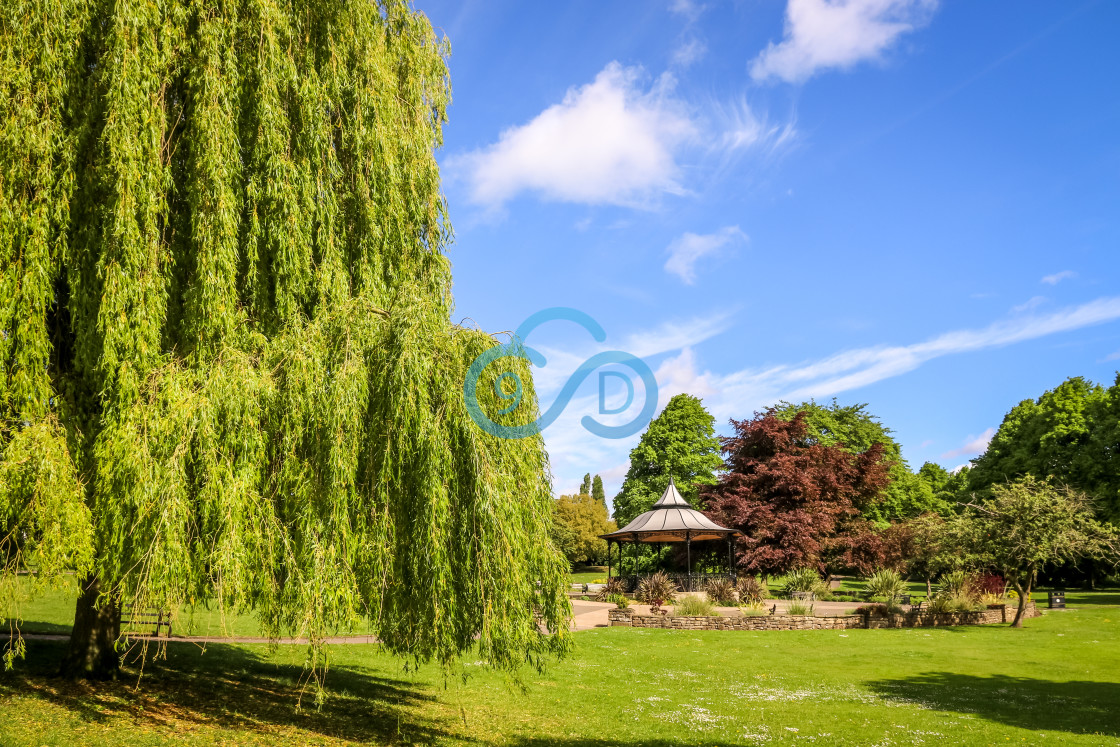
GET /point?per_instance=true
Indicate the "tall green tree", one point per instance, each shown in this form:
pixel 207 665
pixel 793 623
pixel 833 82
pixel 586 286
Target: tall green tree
pixel 597 490
pixel 585 486
pixel 679 443
pixel 227 371
pixel 853 427
pixel 1070 433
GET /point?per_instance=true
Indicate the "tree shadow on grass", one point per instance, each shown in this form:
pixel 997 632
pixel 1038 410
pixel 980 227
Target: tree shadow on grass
pixel 231 688
pixel 608 742
pixel 1078 598
pixel 41 626
pixel 1077 707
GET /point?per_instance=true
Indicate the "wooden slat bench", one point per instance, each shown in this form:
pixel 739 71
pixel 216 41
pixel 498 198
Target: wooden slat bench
pixel 149 616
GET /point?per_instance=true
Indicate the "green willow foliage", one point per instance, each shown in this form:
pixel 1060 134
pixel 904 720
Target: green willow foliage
pixel 228 370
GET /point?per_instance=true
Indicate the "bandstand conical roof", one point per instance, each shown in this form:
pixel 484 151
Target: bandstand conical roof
pixel 670 520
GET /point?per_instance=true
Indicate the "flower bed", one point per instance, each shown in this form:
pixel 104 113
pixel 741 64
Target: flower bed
pixel 999 614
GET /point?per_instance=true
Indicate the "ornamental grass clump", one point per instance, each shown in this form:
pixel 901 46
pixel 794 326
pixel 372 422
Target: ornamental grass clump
pixel 959 585
pixel 721 591
pixel 695 607
pixel 655 590
pixel 885 583
pixel 799 608
pixel 949 603
pixel 805 580
pixel 612 588
pixel 752 590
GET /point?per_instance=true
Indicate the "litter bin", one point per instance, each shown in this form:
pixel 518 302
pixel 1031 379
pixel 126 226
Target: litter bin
pixel 1056 599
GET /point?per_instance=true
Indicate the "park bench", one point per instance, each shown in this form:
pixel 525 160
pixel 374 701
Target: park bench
pixel 803 596
pixel 774 610
pixel 147 616
pixel 917 607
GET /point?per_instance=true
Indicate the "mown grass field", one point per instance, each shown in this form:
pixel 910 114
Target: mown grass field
pixel 1055 682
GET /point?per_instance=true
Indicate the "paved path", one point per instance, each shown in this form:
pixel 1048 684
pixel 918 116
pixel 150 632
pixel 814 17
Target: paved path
pixel 585 615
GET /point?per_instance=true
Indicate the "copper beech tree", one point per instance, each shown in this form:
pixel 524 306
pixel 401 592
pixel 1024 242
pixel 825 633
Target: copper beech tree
pixel 796 500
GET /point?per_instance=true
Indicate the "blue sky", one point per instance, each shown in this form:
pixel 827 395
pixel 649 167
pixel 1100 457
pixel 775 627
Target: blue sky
pixel 907 203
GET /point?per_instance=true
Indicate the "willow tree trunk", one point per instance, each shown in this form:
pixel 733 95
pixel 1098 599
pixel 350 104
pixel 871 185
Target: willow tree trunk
pixel 93 653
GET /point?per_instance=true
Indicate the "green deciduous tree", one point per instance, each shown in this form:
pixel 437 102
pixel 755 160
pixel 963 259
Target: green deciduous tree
pixel 1028 524
pixel 1070 433
pixel 597 490
pixel 227 372
pixel 585 486
pixel 857 430
pixel 679 443
pixel 579 520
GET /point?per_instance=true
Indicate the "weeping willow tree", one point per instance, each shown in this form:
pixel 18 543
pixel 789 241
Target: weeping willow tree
pixel 229 375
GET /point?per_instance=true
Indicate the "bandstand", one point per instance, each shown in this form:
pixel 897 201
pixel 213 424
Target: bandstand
pixel 671 520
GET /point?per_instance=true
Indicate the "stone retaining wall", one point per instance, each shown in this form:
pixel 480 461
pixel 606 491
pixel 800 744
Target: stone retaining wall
pixel 1001 614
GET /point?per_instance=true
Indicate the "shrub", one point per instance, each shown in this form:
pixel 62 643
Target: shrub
pixel 721 591
pixel 958 585
pixel 751 590
pixel 656 589
pixel 991 584
pixel 695 607
pixel 612 588
pixel 949 603
pixel 619 601
pixel 754 611
pixel 799 608
pixel 885 583
pixel 873 609
pixel 840 598
pixel 803 579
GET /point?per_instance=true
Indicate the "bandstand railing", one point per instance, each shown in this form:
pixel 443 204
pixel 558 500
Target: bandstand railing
pixel 684 581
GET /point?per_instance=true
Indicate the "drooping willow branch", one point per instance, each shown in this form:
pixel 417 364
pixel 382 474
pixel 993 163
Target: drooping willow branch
pixel 227 370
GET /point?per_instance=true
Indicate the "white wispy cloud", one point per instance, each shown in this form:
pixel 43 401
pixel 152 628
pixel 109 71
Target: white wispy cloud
pixel 737 394
pixel 1058 277
pixel 973 445
pixel 741 127
pixel 689 52
pixel 1030 304
pixel 690 9
pixel 1113 357
pixel 608 142
pixel 686 250
pixel 856 368
pixel 823 34
pixel 679 375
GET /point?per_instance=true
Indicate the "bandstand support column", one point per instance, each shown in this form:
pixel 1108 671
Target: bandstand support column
pixel 688 550
pixel 637 550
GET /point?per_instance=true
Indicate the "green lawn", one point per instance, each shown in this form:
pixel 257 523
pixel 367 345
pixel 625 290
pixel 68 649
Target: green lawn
pixel 589 575
pixel 1056 681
